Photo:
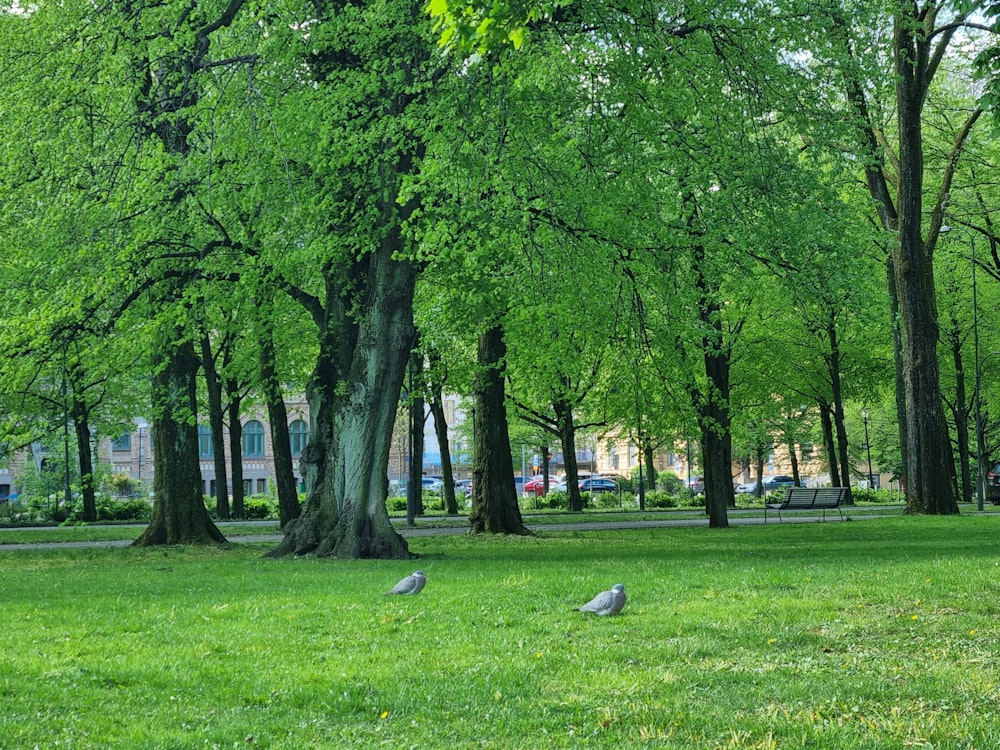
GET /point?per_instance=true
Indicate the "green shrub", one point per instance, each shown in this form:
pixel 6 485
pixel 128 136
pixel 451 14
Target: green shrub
pixel 260 507
pixel 607 499
pixel 660 499
pixel 109 509
pixel 671 484
pixel 557 499
pixel 690 500
pixel 883 497
pixel 396 503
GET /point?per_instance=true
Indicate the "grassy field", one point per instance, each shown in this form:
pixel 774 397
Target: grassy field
pixel 848 636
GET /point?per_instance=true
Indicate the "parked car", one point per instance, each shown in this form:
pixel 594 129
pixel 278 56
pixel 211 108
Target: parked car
pixel 598 484
pixel 463 486
pixel 993 485
pixel 777 482
pixel 770 484
pixel 696 485
pixel 536 486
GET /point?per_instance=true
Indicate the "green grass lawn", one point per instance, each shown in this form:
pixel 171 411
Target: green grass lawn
pixel 848 636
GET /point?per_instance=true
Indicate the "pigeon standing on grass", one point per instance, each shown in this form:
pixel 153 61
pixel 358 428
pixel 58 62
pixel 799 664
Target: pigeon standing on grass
pixel 607 602
pixel 410 585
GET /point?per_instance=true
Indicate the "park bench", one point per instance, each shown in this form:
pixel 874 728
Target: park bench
pixel 809 498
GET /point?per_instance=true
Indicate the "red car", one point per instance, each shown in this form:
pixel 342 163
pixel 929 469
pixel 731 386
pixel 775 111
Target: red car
pixel 536 486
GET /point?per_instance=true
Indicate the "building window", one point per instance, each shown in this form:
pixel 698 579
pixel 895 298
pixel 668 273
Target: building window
pixel 253 439
pixel 205 447
pixel 298 435
pixel 261 486
pixel 247 487
pixel 807 451
pixel 122 443
pixel 613 456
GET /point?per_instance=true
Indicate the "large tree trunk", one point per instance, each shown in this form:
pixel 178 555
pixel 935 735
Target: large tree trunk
pixel 345 465
pixel 494 496
pixel 179 513
pixel 217 421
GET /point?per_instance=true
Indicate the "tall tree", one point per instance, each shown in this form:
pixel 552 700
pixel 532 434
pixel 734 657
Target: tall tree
pixel 919 44
pixel 373 58
pixel 494 497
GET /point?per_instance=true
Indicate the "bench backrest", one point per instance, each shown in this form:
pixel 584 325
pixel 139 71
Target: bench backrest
pixel 812 497
pixel 829 497
pixel 798 497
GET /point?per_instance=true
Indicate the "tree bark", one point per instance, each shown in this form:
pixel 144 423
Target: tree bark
pixel 712 407
pixel 494 496
pixel 717 442
pixel 281 446
pixel 235 408
pixel 567 441
pixel 345 465
pixel 830 446
pixel 415 410
pixel 216 420
pixel 960 412
pixel 897 361
pixel 837 392
pixel 928 485
pixel 81 426
pixel 441 431
pixel 179 513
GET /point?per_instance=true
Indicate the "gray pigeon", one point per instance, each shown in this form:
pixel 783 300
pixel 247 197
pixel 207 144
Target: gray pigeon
pixel 410 585
pixel 607 602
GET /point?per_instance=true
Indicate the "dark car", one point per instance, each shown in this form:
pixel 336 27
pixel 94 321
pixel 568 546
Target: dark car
pixel 993 485
pixel 598 485
pixel 777 482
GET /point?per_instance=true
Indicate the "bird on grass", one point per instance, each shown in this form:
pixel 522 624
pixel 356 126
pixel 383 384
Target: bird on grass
pixel 607 602
pixel 412 584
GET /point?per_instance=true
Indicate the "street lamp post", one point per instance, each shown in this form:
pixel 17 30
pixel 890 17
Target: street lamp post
pixel 868 448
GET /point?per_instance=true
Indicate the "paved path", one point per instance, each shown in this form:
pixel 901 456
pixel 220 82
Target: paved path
pixel 736 518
